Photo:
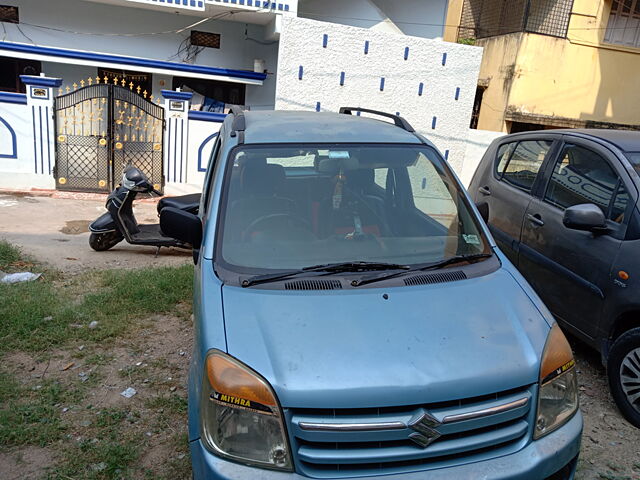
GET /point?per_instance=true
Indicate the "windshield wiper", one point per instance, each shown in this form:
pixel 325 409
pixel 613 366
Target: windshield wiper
pixel 327 267
pixel 422 268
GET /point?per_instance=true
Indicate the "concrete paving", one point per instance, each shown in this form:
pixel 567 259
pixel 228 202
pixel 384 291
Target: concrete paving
pixel 55 230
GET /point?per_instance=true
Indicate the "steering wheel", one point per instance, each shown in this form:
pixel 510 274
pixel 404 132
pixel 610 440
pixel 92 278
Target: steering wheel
pixel 293 220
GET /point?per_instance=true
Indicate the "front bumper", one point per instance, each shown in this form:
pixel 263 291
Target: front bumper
pixel 539 460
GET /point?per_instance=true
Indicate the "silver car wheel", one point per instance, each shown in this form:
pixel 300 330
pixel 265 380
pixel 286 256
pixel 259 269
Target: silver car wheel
pixel 630 377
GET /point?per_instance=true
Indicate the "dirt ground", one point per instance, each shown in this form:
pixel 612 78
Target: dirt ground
pixel 155 362
pixel 56 230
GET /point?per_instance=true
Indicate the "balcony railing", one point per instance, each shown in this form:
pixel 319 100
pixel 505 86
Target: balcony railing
pixel 266 6
pixel 489 18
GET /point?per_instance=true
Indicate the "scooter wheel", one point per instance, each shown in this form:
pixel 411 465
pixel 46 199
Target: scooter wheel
pixel 101 242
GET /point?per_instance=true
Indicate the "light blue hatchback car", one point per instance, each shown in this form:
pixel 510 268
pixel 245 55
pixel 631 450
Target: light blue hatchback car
pixel 354 318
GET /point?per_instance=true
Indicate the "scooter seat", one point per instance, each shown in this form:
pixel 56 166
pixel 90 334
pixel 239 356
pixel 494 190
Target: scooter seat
pixel 188 203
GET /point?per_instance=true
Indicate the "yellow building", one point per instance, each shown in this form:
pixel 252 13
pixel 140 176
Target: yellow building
pixel 552 63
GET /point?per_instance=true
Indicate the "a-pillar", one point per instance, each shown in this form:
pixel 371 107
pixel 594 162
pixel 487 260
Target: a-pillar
pixel 176 105
pixel 40 103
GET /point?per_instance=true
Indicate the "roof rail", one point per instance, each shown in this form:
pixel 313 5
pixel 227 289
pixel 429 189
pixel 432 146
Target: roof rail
pixel 239 123
pixel 397 119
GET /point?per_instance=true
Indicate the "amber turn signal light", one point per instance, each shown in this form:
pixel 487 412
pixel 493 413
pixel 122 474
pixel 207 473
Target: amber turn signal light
pixel 228 376
pixel 557 356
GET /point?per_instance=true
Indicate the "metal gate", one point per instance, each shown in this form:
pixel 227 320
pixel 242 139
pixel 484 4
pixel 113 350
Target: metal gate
pixel 102 128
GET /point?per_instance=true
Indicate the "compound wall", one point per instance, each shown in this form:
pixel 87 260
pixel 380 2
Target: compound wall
pixel 431 83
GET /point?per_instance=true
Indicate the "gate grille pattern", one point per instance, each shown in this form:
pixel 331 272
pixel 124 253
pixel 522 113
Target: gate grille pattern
pixel 100 130
pixel 489 18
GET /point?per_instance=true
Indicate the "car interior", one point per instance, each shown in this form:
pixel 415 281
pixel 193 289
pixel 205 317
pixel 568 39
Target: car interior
pixel 326 200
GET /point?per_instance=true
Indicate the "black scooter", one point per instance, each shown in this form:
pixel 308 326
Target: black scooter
pixel 120 223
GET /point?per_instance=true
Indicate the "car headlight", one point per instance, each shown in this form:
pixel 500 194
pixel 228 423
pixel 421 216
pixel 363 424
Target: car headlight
pixel 240 416
pixel 558 395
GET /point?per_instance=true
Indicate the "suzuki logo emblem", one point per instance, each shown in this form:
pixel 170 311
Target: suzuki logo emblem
pixel 424 426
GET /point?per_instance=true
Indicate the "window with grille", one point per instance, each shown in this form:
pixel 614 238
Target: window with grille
pixel 624 23
pixel 488 18
pixel 205 39
pixel 9 14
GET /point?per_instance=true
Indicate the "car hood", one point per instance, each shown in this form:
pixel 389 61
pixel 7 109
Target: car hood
pixel 356 349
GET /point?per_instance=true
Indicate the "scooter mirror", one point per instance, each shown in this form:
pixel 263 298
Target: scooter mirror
pixel 181 225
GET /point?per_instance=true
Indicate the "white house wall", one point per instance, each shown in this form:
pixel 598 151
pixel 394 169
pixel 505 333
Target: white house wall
pixel 309 77
pixel 419 18
pixel 202 136
pixel 26 154
pixel 130 24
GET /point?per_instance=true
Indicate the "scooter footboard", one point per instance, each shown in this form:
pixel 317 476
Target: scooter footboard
pixel 103 224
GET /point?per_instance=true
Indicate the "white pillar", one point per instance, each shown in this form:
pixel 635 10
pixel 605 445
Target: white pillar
pixel 40 92
pixel 176 107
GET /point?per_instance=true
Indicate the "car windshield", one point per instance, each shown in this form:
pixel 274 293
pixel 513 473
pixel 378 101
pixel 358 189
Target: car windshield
pixel 634 158
pixel 289 207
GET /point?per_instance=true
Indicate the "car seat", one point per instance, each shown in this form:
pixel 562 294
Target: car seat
pixel 260 185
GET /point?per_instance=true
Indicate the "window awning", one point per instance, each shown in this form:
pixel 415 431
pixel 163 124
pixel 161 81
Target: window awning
pixel 121 62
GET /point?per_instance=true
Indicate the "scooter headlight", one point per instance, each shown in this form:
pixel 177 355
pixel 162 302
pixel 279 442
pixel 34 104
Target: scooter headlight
pixel 240 416
pixel 558 395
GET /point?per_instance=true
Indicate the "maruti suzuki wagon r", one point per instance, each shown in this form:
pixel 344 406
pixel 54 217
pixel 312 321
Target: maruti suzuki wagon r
pixel 355 319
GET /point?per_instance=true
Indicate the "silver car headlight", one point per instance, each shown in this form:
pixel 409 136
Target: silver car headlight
pixel 558 393
pixel 240 416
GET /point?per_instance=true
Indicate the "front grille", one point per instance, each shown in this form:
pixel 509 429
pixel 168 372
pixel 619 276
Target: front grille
pixel 322 452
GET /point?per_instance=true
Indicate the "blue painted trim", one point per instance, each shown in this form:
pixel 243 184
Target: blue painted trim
pixel 382 84
pixel 444 59
pixel 132 61
pixel 457 93
pixel 202 145
pixel 341 78
pixel 175 151
pixel 433 122
pixel 173 95
pixel 420 89
pixel 366 47
pixel 325 40
pixel 446 154
pixel 38 81
pixel 14 141
pixel 406 53
pixel 8 97
pixel 169 152
pixel 182 147
pixel 318 105
pixel 41 142
pixel 46 116
pixel 35 144
pixel 207 116
pixel 300 72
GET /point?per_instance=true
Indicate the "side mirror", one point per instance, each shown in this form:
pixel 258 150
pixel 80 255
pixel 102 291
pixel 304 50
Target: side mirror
pixel 181 225
pixel 587 217
pixel 483 209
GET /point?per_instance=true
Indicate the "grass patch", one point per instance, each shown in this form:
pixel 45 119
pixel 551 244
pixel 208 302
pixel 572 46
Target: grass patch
pixel 48 313
pixel 52 314
pixel 169 403
pixel 9 255
pixel 31 416
pixel 108 455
